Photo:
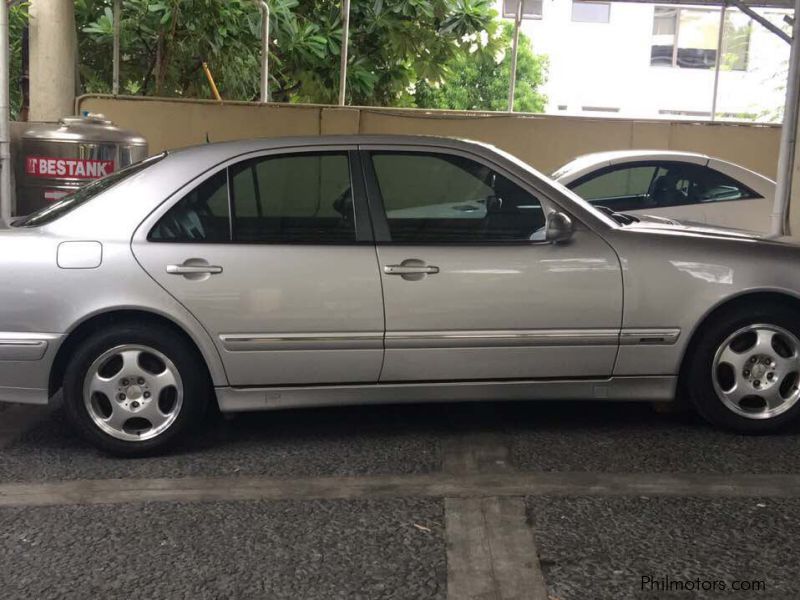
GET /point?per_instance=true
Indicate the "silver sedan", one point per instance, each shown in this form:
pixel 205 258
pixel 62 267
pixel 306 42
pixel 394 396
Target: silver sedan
pixel 314 271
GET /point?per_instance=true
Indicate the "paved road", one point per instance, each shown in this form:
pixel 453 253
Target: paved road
pixel 375 502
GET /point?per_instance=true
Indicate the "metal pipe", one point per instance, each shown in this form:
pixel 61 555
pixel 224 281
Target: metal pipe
pixel 748 10
pixel 345 43
pixel 115 77
pixel 211 83
pixel 25 75
pixel 6 198
pixel 783 186
pixel 512 83
pixel 264 51
pixel 718 61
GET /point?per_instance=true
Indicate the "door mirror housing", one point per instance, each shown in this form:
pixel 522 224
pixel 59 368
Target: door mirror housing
pixel 559 228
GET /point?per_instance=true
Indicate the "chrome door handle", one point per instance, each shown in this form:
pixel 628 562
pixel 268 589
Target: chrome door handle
pixel 193 269
pixel 410 270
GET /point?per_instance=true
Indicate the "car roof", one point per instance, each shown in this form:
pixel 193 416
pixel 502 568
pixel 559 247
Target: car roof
pixel 615 155
pixel 590 162
pixel 232 148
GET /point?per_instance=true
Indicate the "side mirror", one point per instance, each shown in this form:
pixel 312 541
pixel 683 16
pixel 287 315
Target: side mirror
pixel 559 228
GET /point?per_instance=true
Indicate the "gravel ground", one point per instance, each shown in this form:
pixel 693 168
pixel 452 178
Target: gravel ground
pixel 309 550
pixel 600 548
pixel 632 438
pixel 591 548
pixel 302 443
pixel 371 440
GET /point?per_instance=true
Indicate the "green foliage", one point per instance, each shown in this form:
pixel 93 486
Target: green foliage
pixel 17 18
pixel 401 53
pixel 164 42
pixel 393 44
pixel 479 78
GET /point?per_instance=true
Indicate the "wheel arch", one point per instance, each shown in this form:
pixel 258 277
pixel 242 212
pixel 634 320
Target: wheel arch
pixel 739 302
pixel 81 330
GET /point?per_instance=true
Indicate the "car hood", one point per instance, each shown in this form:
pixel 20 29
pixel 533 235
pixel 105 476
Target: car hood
pixel 661 224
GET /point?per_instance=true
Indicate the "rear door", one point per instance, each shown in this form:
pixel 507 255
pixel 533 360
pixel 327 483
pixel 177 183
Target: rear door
pixel 471 290
pixel 273 253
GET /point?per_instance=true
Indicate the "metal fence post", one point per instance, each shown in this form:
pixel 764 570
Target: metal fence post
pixel 5 117
pixel 264 51
pixel 345 41
pixel 115 78
pixel 512 84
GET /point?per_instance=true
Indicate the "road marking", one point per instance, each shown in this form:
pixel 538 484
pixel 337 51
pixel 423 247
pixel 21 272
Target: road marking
pixel 16 419
pixel 490 551
pixel 435 485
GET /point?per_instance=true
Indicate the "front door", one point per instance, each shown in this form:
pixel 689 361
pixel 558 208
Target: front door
pixel 271 253
pixel 471 290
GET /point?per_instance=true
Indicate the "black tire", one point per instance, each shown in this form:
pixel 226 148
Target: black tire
pixel 197 387
pixel 697 377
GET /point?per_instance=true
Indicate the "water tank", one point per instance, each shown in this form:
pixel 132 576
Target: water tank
pixel 55 159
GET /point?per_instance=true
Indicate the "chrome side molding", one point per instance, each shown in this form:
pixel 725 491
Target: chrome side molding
pixel 501 338
pixel 371 340
pixel 653 336
pixel 24 346
pixel 236 342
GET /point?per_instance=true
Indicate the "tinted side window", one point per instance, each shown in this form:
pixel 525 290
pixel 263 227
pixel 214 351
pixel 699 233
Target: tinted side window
pixel 681 184
pixel 447 198
pixel 659 185
pixel 200 216
pixel 708 185
pixel 624 188
pixel 301 198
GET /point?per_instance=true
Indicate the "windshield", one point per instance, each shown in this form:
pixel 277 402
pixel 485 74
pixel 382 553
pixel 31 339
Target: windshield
pixel 68 203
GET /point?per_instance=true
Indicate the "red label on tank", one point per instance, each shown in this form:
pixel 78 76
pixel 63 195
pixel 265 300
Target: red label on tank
pixel 67 168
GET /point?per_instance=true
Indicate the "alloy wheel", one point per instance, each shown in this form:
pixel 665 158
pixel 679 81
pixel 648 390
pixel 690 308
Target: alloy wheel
pixel 756 371
pixel 133 392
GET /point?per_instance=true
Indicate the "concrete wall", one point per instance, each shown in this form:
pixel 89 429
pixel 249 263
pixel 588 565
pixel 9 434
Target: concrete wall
pixel 53 58
pixel 545 141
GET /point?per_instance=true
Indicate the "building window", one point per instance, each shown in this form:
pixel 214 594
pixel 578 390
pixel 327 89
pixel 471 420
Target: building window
pixel 687 38
pixel 531 9
pixel 591 12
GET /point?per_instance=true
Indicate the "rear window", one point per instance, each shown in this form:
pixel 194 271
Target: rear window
pixel 48 214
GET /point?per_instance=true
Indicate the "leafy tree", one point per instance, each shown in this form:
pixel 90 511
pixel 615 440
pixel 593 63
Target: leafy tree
pixel 17 18
pixel 479 78
pixel 393 44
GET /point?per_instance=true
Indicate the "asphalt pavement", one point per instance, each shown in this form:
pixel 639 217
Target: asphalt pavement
pixel 374 502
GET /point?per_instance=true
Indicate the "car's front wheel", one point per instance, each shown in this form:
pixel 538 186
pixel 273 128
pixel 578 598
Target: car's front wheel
pixel 744 374
pixel 133 391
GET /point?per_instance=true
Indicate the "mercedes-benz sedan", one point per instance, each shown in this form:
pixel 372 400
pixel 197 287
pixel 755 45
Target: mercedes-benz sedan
pixel 295 272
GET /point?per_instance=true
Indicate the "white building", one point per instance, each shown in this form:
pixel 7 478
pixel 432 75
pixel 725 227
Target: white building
pixel 650 60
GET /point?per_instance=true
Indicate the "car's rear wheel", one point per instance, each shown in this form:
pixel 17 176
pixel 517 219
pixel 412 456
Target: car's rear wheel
pixel 744 374
pixel 133 391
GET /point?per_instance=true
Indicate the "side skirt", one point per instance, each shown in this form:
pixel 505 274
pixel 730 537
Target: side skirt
pixel 661 388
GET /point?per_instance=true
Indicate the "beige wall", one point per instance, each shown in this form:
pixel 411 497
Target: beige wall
pixel 545 141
